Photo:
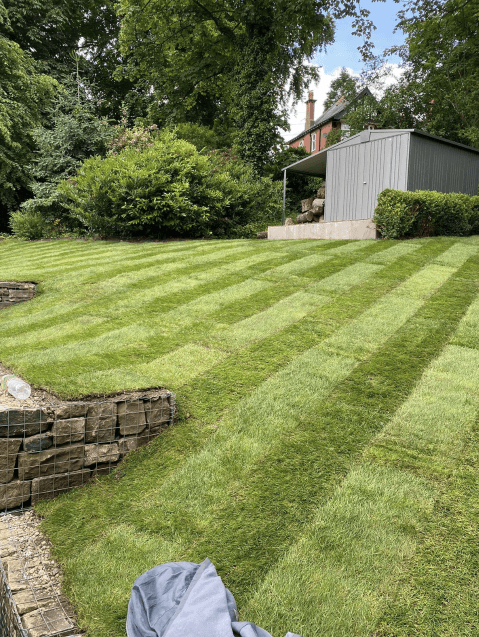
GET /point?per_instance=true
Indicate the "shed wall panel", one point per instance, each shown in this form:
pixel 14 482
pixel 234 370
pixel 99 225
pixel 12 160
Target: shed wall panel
pixel 437 166
pixel 356 174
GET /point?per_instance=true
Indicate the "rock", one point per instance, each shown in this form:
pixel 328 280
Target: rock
pixel 158 411
pixel 23 422
pixel 15 572
pixel 71 430
pixel 25 602
pixel 41 623
pixel 133 442
pixel 51 461
pixel 288 222
pixel 321 194
pixel 101 422
pixel 306 204
pixel 7 548
pixel 101 453
pixel 50 487
pixel 38 443
pixel 131 417
pixel 71 410
pixel 9 448
pixel 14 494
pixel 262 235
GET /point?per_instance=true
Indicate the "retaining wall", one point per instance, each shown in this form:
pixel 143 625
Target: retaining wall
pixel 354 229
pixel 12 292
pixel 46 451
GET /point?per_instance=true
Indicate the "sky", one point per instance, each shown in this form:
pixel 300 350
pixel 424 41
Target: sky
pixel 344 52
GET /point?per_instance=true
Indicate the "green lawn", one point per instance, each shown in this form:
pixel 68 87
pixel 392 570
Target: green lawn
pixel 326 455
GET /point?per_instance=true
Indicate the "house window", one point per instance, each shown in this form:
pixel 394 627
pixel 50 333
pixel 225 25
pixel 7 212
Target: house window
pixel 313 142
pixel 301 143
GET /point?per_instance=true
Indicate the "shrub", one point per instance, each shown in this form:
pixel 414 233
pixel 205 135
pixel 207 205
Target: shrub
pixel 29 225
pixel 425 213
pixel 167 188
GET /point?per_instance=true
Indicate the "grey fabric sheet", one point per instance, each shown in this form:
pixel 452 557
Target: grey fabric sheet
pixel 183 599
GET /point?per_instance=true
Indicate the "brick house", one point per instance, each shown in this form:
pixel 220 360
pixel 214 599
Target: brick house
pixel 315 133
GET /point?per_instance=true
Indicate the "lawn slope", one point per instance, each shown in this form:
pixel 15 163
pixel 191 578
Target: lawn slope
pixel 328 423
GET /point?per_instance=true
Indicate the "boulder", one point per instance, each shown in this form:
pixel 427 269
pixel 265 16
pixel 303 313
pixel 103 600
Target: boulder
pixel 71 410
pixel 50 461
pixel 14 494
pixel 44 622
pixel 23 422
pixel 70 430
pixel 101 422
pixel 158 411
pixel 288 222
pixel 99 454
pixel 9 448
pixel 133 442
pixel 262 235
pixel 38 443
pixel 49 487
pixel 131 417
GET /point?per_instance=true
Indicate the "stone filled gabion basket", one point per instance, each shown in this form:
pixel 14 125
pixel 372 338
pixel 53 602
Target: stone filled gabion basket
pixel 47 450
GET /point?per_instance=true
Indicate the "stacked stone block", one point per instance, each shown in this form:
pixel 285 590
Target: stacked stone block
pixel 47 451
pixel 12 292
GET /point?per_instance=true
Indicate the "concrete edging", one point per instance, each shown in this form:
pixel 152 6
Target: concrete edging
pixel 353 229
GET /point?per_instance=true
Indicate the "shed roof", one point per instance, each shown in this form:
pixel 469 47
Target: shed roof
pixel 316 164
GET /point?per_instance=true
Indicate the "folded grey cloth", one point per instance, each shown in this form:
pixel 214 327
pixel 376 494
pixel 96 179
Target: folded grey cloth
pixel 183 599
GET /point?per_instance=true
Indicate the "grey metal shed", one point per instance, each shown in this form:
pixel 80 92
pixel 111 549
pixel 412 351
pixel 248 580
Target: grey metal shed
pixel 360 167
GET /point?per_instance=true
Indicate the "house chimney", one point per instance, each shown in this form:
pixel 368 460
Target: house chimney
pixel 309 111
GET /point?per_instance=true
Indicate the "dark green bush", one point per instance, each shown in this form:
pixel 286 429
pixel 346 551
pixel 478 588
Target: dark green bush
pixel 168 189
pixel 425 213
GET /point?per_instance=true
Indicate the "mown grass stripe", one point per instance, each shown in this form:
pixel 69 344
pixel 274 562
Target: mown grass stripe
pixel 302 468
pixel 361 337
pixel 352 246
pixel 346 278
pixel 289 310
pixel 314 367
pixel 51 311
pixel 128 529
pixel 395 252
pixel 363 536
pixel 347 307
pixel 297 266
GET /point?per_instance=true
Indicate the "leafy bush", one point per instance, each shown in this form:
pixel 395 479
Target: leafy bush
pixel 29 225
pixel 168 188
pixel 425 213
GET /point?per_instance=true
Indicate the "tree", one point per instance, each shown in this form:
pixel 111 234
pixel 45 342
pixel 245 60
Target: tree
pixel 345 85
pixel 24 98
pixel 439 89
pixel 208 59
pixel 61 34
pixel 74 133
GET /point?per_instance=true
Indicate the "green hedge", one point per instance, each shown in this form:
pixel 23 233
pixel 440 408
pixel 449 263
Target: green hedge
pixel 425 213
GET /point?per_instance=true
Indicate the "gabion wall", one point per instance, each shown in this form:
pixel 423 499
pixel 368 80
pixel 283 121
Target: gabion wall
pixel 46 451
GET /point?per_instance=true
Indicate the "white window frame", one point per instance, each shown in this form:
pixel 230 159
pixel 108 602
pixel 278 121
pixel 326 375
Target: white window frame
pixel 313 142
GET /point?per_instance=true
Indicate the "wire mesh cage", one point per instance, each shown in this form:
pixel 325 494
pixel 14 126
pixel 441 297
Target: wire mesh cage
pixel 46 450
